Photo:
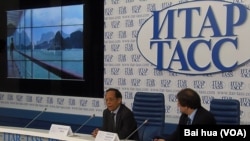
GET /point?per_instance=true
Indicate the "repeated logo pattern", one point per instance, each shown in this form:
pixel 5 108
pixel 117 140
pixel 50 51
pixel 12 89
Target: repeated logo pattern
pixel 145 50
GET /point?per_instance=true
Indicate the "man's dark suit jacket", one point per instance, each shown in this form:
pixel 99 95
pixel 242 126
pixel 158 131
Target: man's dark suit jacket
pixel 125 122
pixel 202 117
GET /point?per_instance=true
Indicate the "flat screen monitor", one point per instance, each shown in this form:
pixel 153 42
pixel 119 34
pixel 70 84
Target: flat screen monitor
pixel 46 43
pixel 53 47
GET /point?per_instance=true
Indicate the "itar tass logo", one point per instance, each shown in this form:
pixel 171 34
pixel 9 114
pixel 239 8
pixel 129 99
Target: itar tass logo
pixel 237 85
pixel 218 85
pixel 198 37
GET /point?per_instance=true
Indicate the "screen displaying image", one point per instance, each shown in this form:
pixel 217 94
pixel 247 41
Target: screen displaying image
pixel 46 43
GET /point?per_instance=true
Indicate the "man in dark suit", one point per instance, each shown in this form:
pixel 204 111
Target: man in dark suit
pixel 193 113
pixel 123 123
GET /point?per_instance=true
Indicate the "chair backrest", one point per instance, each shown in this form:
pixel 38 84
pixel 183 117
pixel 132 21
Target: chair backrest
pixel 226 111
pixel 151 107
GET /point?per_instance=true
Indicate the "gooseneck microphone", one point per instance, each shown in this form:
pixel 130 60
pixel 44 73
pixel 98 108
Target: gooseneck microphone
pixel 92 116
pixel 145 121
pixel 38 115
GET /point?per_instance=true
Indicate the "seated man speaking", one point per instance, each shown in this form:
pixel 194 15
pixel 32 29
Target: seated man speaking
pixel 117 117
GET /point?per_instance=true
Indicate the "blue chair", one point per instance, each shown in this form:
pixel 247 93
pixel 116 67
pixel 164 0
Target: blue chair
pixel 149 112
pixel 226 111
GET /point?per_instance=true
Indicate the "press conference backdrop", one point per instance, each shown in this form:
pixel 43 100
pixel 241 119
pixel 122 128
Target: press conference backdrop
pixel 164 46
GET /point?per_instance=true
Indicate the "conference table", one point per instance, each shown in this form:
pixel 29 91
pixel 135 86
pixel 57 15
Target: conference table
pixel 30 134
pixel 8 133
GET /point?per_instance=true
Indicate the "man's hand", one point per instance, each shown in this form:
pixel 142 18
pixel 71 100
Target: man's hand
pixel 94 133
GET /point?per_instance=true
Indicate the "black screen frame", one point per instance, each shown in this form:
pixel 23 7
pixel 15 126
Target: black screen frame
pixel 92 86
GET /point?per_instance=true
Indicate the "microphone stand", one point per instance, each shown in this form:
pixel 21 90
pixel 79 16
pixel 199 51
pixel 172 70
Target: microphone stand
pixel 136 129
pixel 84 123
pixel 35 118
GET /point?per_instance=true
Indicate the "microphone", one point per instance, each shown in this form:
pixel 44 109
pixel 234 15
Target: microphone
pixel 145 121
pixel 92 116
pixel 38 115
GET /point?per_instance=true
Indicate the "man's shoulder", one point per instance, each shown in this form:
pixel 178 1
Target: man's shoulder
pixel 106 111
pixel 124 108
pixel 205 115
pixel 202 109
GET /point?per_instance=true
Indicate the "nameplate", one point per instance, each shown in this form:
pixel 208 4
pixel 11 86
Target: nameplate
pixel 60 130
pixel 106 136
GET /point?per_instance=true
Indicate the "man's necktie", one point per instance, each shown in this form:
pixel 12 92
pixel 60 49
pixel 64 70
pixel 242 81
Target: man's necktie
pixel 188 121
pixel 113 122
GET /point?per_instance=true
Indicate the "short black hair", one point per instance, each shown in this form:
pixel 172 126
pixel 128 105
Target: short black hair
pixel 189 97
pixel 118 94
